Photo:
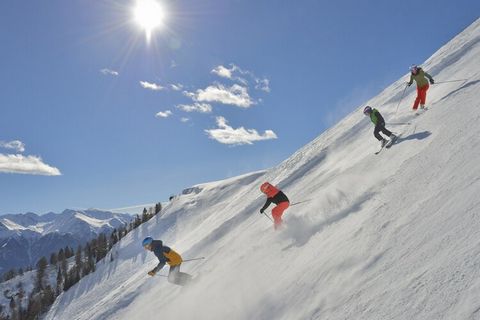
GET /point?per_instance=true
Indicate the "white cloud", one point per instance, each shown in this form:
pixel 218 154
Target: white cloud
pixel 196 107
pixel 262 84
pixel 176 87
pixel 164 114
pixel 238 74
pixel 242 81
pixel 16 145
pixel 185 119
pixel 235 95
pixel 191 95
pixel 109 72
pixel 17 163
pixel 223 72
pixel 227 135
pixel 151 86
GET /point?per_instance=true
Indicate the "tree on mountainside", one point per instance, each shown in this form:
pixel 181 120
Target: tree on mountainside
pixel 47 298
pixel 102 246
pixel 41 273
pixel 89 265
pixel 69 252
pixel 13 308
pixel 34 307
pixel 158 207
pixel 10 274
pixel 78 259
pixel 114 237
pixel 59 281
pixel 53 259
pixel 145 215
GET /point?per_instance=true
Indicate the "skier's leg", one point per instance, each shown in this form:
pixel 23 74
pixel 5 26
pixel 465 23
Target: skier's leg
pixel 376 132
pixel 423 95
pixel 277 213
pixel 177 277
pixel 385 130
pixel 417 99
pixel 173 274
pixel 183 278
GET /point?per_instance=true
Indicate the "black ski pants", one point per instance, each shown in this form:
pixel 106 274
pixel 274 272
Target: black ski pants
pixel 380 127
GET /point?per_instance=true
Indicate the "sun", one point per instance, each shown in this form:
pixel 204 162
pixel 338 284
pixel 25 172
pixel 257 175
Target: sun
pixel 150 15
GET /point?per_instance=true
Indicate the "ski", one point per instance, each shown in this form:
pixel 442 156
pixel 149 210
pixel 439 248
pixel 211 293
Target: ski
pixel 380 150
pixel 421 111
pixel 388 144
pixel 391 142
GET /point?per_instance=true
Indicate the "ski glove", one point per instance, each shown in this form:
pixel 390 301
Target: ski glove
pixel 409 84
pixel 151 273
pixel 261 211
pixel 431 81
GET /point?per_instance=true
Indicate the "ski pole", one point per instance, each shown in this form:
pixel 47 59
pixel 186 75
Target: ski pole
pixel 399 123
pixel 450 81
pixel 401 98
pixel 266 215
pixel 295 203
pixel 193 259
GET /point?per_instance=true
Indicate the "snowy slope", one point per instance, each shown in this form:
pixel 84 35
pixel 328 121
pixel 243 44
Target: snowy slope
pixel 27 280
pixel 388 236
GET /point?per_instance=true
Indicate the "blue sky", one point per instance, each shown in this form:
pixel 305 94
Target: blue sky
pixel 91 115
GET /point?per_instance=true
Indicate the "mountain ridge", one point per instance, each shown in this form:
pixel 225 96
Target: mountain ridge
pixel 24 238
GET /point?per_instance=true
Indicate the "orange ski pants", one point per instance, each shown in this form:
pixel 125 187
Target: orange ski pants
pixel 278 211
pixel 421 96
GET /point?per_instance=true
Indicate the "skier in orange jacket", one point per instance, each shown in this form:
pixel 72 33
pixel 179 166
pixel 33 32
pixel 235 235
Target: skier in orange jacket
pixel 279 198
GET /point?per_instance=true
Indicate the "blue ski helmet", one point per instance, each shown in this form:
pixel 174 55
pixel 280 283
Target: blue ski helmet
pixel 147 241
pixel 367 110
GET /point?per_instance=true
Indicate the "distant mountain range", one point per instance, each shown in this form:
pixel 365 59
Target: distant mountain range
pixel 25 238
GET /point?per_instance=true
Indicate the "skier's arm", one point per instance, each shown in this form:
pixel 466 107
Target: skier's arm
pixel 159 267
pixel 429 77
pixel 409 83
pixel 265 206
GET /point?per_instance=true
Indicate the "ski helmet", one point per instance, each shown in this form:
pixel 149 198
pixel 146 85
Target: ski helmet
pixel 414 68
pixel 147 241
pixel 367 110
pixel 264 187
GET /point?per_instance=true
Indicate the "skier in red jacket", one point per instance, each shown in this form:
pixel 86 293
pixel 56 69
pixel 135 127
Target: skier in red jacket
pixel 279 198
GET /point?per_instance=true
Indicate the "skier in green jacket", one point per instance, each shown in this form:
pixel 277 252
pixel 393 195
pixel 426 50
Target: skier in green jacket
pixel 379 123
pixel 420 78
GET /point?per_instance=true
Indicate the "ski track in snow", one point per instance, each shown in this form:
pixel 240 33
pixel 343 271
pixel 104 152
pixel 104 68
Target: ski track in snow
pixel 388 236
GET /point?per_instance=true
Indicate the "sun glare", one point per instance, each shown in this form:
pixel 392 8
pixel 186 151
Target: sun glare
pixel 149 14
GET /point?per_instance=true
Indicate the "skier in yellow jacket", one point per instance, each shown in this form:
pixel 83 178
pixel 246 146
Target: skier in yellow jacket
pixel 166 255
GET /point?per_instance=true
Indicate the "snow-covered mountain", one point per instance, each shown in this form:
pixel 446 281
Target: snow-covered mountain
pixel 388 236
pixel 24 238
